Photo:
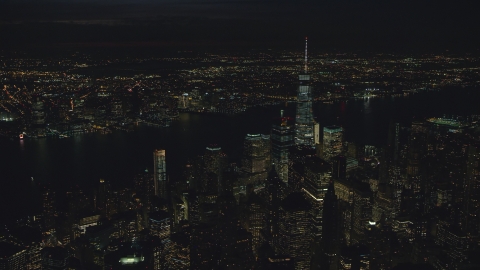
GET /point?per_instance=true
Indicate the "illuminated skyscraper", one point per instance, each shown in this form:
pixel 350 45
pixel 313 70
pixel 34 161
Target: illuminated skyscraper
pixel 326 248
pixel 282 138
pixel 160 173
pixel 102 196
pixel 214 159
pixel 304 123
pixel 275 191
pixel 38 113
pixel 256 219
pixel 256 153
pixel 256 161
pixel 332 142
pixel 316 176
pixel 49 208
pixel 295 227
pixel 13 256
pixel 144 185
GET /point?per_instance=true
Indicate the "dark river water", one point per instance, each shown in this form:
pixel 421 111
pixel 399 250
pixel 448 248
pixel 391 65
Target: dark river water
pixel 83 159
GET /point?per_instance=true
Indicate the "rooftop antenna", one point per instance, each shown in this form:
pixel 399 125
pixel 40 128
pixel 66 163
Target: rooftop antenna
pixel 306 55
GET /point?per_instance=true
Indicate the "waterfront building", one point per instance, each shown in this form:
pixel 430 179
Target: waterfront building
pixel 38 113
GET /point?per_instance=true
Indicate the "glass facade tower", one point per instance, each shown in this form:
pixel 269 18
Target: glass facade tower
pixel 304 123
pixel 282 139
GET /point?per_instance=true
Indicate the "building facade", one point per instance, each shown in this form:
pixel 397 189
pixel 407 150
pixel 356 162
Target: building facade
pixel 332 142
pixel 304 123
pixel 282 138
pixel 160 173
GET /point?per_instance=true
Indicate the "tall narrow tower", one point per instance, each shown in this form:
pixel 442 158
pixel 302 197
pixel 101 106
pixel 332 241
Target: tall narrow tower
pixel 160 173
pixel 282 138
pixel 304 120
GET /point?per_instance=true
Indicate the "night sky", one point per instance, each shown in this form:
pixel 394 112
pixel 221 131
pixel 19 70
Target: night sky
pixel 330 25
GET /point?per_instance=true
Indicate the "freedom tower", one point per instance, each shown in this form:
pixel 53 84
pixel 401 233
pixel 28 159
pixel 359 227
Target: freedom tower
pixel 304 124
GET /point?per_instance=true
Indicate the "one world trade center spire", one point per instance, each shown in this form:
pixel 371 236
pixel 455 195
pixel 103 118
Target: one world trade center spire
pixel 304 123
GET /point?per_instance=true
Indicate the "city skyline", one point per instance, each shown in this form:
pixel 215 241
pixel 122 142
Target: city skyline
pixel 262 159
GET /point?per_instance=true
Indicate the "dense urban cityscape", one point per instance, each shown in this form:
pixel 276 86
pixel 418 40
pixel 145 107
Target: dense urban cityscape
pixel 301 196
pixel 81 93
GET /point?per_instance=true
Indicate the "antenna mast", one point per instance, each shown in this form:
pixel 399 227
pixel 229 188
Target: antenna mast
pixel 306 55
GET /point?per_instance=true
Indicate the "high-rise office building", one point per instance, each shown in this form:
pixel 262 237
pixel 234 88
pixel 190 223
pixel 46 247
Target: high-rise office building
pixel 297 158
pixel 316 176
pixel 214 158
pixel 13 257
pixel 416 146
pixel 295 227
pixel 362 211
pixel 339 167
pixel 256 219
pixel 471 204
pixel 160 224
pixel 38 114
pixel 215 161
pixel 328 247
pixel 101 197
pixel 332 142
pixel 49 208
pixel 275 191
pixel 282 139
pixel 160 173
pixel 256 153
pixel 144 185
pixel 256 161
pixel 304 123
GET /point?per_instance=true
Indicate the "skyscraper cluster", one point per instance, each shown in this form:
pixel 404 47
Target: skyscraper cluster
pixel 300 197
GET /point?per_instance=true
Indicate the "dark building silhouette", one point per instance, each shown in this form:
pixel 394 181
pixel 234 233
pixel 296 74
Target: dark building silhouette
pixel 55 258
pixel 339 167
pixel 295 229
